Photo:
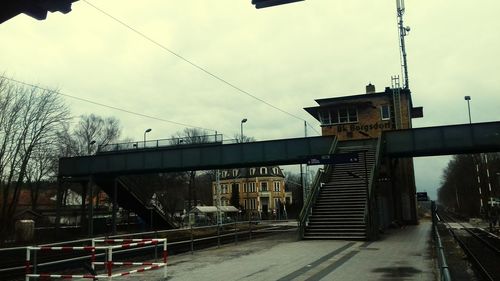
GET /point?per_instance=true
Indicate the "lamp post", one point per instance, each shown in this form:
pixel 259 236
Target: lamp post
pixel 145 132
pixel 241 127
pixel 467 98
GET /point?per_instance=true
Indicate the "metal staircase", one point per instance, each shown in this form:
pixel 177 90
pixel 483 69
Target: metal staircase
pixel 340 209
pixel 130 196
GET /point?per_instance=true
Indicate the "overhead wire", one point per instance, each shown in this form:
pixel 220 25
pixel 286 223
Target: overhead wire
pixel 106 105
pixel 203 69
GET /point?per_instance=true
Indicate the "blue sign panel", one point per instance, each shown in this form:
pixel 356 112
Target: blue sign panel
pixel 340 158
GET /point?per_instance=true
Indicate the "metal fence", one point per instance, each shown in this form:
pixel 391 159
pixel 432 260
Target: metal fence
pixel 443 265
pixel 162 143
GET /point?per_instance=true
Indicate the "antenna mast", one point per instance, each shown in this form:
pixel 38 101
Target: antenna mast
pixel 403 31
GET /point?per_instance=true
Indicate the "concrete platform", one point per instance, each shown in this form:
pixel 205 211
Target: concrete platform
pixel 402 254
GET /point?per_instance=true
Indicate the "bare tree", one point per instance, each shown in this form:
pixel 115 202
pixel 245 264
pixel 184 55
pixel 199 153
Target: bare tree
pixel 192 136
pixel 242 138
pixel 41 169
pixel 460 188
pixel 29 119
pixel 91 132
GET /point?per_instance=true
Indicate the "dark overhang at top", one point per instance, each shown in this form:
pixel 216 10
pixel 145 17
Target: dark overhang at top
pixel 354 98
pixel 37 9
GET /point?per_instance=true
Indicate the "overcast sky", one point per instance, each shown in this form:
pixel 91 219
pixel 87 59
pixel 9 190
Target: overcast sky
pixel 286 55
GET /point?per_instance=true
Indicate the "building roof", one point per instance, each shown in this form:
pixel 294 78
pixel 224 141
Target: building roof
pixel 270 171
pixel 361 100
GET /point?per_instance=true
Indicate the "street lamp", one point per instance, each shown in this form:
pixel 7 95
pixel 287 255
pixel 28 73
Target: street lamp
pixel 467 98
pixel 89 146
pixel 145 132
pixel 242 121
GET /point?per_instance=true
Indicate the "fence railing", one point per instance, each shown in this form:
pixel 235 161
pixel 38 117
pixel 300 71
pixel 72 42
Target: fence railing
pixel 442 264
pixel 371 204
pixel 172 142
pixel 108 262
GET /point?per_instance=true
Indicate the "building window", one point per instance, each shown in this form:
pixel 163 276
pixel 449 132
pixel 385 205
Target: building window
pixel 324 117
pixel 235 188
pixel 275 170
pixel 235 172
pixel 224 174
pixel 250 187
pixel 277 185
pixel 340 115
pixel 263 170
pixel 276 204
pixel 252 171
pixel 263 186
pixel 385 112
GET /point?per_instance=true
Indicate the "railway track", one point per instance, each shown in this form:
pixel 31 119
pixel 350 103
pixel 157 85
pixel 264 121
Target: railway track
pixel 481 246
pixel 12 260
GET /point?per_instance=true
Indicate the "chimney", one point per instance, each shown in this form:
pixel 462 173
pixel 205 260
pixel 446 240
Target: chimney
pixel 370 89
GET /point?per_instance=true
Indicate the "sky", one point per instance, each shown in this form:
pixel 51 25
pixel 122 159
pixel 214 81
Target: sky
pixel 287 55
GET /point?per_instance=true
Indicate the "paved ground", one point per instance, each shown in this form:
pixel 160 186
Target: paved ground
pixel 402 254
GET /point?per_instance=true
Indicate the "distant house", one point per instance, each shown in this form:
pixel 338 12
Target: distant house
pixel 261 189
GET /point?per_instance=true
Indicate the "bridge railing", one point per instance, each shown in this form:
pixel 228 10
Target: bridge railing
pixel 172 142
pixel 371 203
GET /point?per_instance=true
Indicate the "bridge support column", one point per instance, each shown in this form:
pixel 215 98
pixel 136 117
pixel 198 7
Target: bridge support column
pixel 115 206
pixel 58 204
pixel 91 206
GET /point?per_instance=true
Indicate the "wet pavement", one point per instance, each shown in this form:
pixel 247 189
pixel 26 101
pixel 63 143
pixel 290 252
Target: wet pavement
pixel 401 254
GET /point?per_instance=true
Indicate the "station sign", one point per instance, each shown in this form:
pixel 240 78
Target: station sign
pixel 339 158
pixel 422 196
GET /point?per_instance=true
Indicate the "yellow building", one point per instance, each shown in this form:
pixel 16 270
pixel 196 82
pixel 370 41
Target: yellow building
pixel 261 190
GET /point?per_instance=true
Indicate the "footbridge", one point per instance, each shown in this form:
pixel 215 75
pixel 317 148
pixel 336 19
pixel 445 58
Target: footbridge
pixel 442 140
pixel 197 156
pixel 109 167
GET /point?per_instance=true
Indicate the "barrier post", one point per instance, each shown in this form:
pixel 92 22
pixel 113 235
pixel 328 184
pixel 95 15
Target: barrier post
pixel 235 232
pixel 218 235
pixel 27 263
pixel 92 257
pixel 250 227
pixel 165 256
pixel 192 238
pixel 34 262
pixel 110 262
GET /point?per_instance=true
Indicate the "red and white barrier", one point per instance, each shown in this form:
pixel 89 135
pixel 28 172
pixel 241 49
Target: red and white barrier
pixel 108 263
pixel 126 244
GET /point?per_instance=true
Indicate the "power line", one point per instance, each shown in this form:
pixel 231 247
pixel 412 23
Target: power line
pixel 206 71
pixel 107 106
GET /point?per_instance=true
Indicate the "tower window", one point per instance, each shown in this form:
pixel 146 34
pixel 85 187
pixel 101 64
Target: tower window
pixel 385 112
pixel 340 115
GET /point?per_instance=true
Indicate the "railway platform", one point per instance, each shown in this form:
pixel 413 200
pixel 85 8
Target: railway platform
pixel 401 254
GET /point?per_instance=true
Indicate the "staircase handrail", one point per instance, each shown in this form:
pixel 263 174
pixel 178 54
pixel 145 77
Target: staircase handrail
pixel 370 206
pixel 313 194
